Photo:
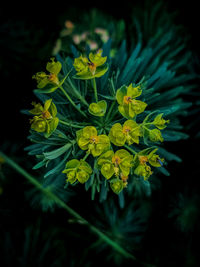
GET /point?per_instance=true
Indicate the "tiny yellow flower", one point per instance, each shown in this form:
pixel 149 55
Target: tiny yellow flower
pixel 49 82
pixel 129 107
pixel 129 132
pixel 93 67
pixel 77 170
pixel 141 167
pixel 52 78
pixel 88 139
pixel 117 163
pixel 45 120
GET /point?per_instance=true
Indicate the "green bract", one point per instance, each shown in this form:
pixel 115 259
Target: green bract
pixel 141 160
pixel 116 163
pixel 143 170
pixel 98 109
pixel 77 170
pixel 155 135
pixel 128 106
pixel 116 185
pixel 129 132
pixel 154 159
pixel 88 139
pixel 159 122
pixel 94 67
pixel 45 120
pixel 48 83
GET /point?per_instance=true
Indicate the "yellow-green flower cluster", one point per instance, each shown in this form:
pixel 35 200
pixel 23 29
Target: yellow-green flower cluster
pixel 141 168
pixel 94 67
pixel 43 79
pixel 87 139
pixel 129 107
pixel 77 170
pixel 114 164
pixel 45 120
pixel 128 133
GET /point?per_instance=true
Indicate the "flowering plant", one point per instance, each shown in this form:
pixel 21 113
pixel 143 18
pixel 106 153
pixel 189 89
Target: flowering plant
pixel 111 129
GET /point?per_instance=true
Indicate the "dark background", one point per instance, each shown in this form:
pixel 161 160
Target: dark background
pixel 27 35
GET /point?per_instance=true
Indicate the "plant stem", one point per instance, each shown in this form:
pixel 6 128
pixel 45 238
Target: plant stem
pixel 130 149
pixel 95 89
pixel 86 155
pixel 110 110
pixel 72 102
pixel 70 124
pixel 81 98
pixel 72 212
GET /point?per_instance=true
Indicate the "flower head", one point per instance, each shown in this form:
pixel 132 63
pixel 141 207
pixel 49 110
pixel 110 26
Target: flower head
pixel 93 67
pixel 88 139
pixel 77 170
pixel 129 107
pixel 45 120
pixel 129 132
pixel 118 163
pixel 141 163
pixel 44 79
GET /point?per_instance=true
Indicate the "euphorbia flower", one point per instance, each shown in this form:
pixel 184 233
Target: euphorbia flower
pixel 129 107
pixel 49 82
pixel 88 139
pixel 141 160
pixel 45 120
pixel 93 67
pixel 98 109
pixel 118 163
pixel 129 132
pixel 77 170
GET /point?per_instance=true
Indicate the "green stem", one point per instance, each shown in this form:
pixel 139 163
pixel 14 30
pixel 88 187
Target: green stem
pixel 86 155
pixel 146 128
pixel 82 99
pixel 72 102
pixel 51 195
pixel 130 149
pixel 70 124
pixel 110 110
pixel 95 89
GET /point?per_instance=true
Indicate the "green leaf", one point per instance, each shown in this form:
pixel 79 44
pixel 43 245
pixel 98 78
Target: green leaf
pixel 57 152
pixel 59 166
